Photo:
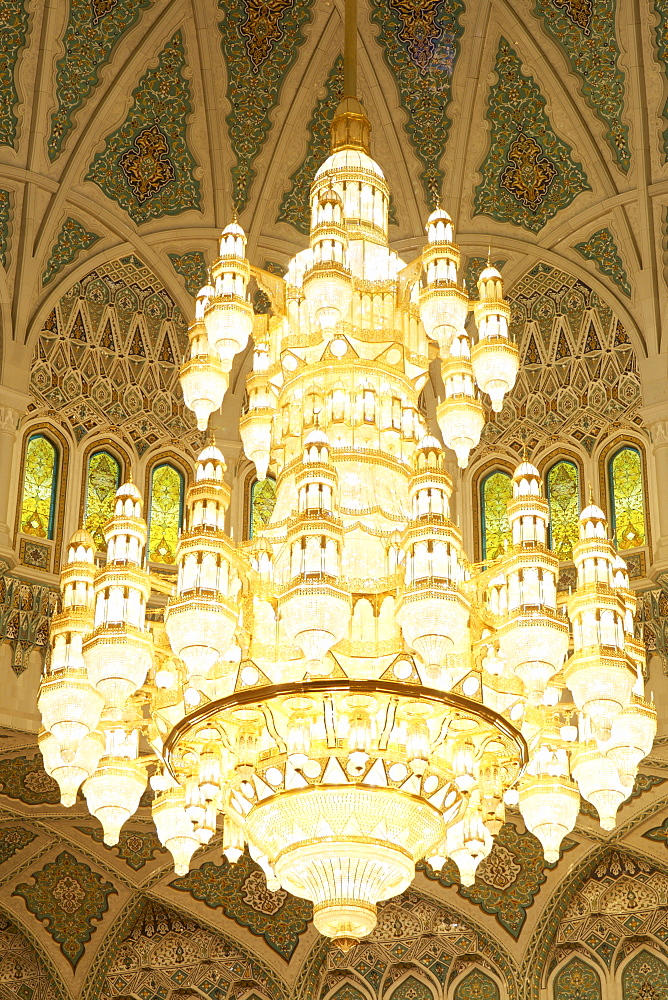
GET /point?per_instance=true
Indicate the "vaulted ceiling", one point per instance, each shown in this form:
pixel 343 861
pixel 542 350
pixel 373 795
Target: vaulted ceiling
pixel 136 126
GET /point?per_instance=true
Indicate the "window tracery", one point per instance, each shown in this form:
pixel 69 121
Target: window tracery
pixel 103 477
pixel 627 498
pixel 40 476
pixel 165 511
pixel 262 502
pixel 496 490
pixel 563 496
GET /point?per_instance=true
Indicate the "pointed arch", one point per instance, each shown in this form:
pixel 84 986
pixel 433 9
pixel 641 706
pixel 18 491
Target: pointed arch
pixel 40 486
pixel 165 511
pixel 475 983
pixel 645 975
pixel 627 497
pixel 562 488
pixel 51 489
pixel 411 988
pixel 259 503
pixel 496 489
pixel 576 978
pixel 346 991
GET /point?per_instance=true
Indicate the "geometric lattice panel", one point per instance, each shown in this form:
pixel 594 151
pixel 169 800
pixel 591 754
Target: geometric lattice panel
pixel 578 373
pixel 108 358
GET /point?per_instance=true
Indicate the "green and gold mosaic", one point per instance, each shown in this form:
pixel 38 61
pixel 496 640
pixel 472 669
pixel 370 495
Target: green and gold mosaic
pixel 528 174
pixel 146 165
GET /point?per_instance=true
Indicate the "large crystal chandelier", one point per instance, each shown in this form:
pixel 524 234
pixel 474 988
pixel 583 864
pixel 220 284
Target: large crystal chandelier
pixel 346 694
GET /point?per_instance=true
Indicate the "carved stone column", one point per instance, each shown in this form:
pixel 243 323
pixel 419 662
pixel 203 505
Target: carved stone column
pixel 12 405
pixel 656 421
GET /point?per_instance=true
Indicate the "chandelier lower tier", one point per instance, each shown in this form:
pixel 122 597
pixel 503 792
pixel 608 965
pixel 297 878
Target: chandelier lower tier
pixel 345 694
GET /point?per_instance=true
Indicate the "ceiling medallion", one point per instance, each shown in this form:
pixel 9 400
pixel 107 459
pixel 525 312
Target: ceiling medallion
pixel 346 694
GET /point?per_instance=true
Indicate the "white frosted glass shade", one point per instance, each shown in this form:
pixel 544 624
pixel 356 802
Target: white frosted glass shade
pixel 344 847
pixel 599 784
pixel 200 629
pixel 113 793
pixel 175 831
pixel 601 684
pixel 204 383
pixel 117 661
pixel 549 808
pixel 534 647
pixel 461 420
pixel 495 364
pixel 229 324
pixel 70 707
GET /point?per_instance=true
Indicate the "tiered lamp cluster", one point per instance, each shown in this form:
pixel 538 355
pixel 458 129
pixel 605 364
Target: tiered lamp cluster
pixel 345 694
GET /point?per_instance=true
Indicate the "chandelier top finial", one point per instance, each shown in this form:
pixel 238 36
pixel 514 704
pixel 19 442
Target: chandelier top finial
pixel 351 128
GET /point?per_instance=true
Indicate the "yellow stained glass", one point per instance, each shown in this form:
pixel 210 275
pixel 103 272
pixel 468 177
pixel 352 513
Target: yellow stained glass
pixel 495 492
pixel 262 502
pixel 563 494
pixel 628 500
pixel 165 513
pixel 102 481
pixel 39 487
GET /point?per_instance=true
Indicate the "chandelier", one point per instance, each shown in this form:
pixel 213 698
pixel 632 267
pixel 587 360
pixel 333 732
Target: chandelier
pixel 346 694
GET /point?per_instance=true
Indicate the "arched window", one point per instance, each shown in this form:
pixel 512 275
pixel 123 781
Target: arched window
pixel 165 511
pixel 476 986
pixel 40 477
pixel 103 477
pixel 646 976
pixel 495 491
pixel 577 979
pixel 627 498
pixel 262 503
pixel 412 989
pixel 563 495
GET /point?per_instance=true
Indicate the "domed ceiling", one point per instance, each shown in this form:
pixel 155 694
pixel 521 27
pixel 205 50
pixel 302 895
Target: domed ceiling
pixel 132 126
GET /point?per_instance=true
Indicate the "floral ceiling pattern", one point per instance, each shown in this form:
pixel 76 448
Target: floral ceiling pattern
pixel 92 31
pixel 146 164
pixel 420 44
pixel 260 42
pixel 528 173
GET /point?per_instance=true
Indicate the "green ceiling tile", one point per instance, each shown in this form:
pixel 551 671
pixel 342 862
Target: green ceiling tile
pixel 528 174
pixel 586 30
pixel 420 43
pixel 260 44
pixel 146 165
pixel 72 240
pixel 69 896
pixel 191 266
pixel 602 250
pixel 14 20
pixel 93 28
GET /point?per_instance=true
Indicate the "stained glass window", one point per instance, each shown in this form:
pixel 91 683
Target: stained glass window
pixel 262 503
pixel 628 502
pixel 164 519
pixel 577 979
pixel 477 986
pixel 495 492
pixel 102 480
pixel 39 487
pixel 563 494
